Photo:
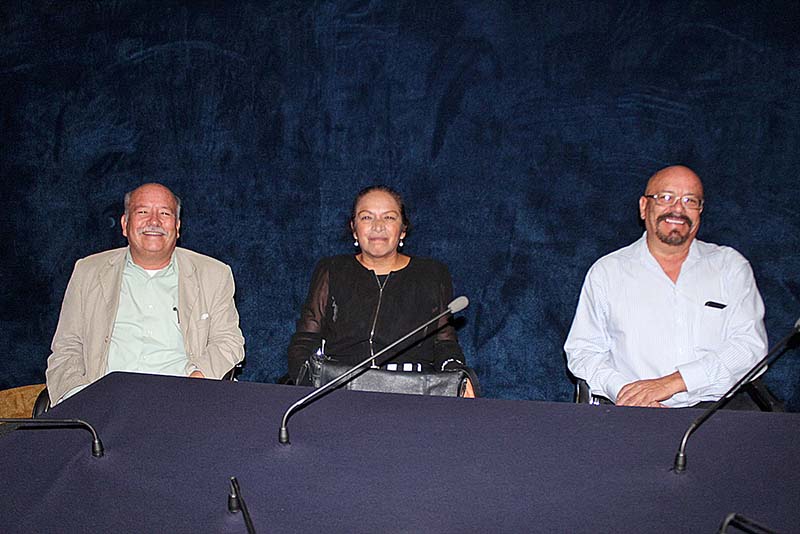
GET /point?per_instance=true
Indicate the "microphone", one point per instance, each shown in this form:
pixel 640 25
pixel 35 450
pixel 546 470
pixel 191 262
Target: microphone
pixel 744 524
pixel 97 445
pixel 455 306
pixel 680 458
pixel 236 503
pixel 458 304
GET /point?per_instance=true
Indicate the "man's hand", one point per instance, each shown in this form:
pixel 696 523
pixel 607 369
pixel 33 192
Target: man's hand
pixel 651 392
pixel 197 374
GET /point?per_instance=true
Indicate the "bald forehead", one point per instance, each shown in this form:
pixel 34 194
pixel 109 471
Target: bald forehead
pixel 153 193
pixel 152 189
pixel 678 179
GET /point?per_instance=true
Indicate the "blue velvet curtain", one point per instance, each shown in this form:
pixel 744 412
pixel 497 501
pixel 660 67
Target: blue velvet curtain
pixel 520 133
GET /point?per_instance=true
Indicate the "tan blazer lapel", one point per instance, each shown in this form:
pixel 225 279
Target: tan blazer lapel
pixel 110 280
pixel 188 292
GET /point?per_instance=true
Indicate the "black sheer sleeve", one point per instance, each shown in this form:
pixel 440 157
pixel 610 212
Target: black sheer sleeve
pixel 309 329
pixel 447 351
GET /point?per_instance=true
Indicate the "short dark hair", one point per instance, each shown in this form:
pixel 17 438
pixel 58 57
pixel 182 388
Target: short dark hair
pixel 385 189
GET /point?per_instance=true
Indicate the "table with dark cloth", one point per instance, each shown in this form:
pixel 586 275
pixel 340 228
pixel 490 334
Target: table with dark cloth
pixel 370 462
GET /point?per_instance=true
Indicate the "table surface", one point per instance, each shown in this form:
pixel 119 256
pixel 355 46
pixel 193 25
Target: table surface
pixel 372 462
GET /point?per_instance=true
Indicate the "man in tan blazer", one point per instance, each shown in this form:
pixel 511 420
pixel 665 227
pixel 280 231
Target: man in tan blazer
pixel 149 307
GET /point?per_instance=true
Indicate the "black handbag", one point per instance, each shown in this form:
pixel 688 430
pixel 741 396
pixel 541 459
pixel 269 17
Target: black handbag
pixel 442 383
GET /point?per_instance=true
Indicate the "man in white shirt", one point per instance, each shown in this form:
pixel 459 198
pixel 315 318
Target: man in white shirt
pixel 669 320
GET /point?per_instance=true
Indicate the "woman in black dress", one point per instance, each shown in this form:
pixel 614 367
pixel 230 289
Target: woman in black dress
pixel 358 304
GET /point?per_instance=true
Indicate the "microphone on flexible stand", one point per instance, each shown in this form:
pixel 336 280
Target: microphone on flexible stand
pixel 680 458
pixel 455 306
pixel 236 504
pixel 34 424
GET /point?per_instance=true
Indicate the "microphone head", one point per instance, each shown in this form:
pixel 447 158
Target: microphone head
pixel 458 304
pixel 233 497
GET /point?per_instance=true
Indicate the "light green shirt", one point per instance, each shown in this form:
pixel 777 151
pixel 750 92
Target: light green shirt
pixel 147 335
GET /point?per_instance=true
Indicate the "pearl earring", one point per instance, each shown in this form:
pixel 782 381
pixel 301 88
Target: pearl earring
pixel 355 243
pixel 401 243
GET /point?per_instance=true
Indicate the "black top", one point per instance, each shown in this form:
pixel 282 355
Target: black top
pixel 342 303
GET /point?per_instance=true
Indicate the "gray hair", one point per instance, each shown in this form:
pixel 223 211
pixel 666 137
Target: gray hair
pixel 127 200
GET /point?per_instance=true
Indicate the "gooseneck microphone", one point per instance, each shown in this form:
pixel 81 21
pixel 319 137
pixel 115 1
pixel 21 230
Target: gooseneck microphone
pixel 454 307
pixel 236 504
pixel 680 458
pixel 97 445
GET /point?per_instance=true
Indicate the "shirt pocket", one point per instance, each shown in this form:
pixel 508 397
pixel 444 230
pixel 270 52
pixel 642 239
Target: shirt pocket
pixel 710 332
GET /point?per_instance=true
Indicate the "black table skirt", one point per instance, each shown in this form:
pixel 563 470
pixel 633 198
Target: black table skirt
pixel 369 462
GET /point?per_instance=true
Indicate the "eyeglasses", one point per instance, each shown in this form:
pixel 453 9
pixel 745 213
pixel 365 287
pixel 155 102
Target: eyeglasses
pixel 669 199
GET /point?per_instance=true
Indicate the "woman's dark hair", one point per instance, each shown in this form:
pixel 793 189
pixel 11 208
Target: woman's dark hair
pixel 385 189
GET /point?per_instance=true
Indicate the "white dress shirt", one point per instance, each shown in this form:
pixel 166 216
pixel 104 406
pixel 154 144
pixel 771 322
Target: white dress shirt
pixel 634 323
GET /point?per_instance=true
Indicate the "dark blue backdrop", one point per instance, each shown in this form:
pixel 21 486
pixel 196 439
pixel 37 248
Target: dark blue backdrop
pixel 521 133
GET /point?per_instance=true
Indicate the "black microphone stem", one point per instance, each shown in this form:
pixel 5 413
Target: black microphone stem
pixel 97 445
pixel 236 504
pixel 680 458
pixel 283 435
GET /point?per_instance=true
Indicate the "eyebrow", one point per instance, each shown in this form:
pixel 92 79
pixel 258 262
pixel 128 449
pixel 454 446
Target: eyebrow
pixel 384 212
pixel 674 193
pixel 140 206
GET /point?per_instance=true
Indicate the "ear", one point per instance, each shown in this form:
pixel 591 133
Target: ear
pixel 178 228
pixel 642 207
pixel 123 222
pixel 403 233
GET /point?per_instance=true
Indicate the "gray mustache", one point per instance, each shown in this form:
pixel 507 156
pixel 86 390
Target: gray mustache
pixel 153 229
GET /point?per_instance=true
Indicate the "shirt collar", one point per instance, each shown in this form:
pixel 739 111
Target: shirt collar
pixel 646 255
pixel 169 269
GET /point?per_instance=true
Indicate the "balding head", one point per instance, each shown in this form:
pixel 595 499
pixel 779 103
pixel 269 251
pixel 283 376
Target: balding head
pixel 666 177
pixel 127 199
